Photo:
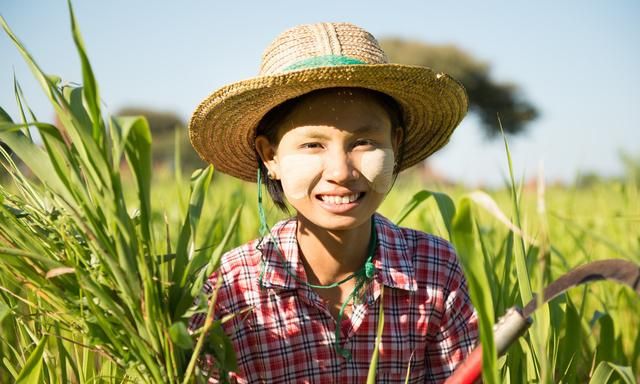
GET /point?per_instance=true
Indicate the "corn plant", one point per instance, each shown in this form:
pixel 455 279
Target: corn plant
pixel 91 290
pixel 98 277
pixel 590 335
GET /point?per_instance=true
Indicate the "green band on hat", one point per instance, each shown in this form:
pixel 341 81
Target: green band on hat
pixel 323 61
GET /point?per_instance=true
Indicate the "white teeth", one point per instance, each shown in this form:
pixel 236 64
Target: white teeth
pixel 340 199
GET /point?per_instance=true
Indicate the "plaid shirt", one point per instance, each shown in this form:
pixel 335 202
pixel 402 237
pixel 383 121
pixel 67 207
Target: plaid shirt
pixel 430 324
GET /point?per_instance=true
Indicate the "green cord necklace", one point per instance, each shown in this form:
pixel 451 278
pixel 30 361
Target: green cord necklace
pixel 363 275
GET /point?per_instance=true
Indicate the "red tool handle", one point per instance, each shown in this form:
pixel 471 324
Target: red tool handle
pixel 505 332
pixel 469 371
pixel 516 321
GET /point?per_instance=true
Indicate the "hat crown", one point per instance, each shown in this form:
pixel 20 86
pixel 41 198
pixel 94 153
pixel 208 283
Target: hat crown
pixel 321 44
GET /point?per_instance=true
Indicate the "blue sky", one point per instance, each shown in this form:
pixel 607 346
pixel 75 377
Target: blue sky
pixel 576 60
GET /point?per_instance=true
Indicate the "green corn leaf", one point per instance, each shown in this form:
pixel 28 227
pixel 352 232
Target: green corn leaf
pixel 200 181
pixel 88 149
pixel 5 311
pixel 606 346
pixel 445 206
pixel 17 90
pixel 463 238
pixel 524 284
pixel 571 343
pixel 12 370
pixel 138 152
pixel 607 370
pixel 4 116
pixel 214 260
pixel 19 253
pixel 33 156
pixel 31 372
pixel 180 335
pixel 73 96
pixel 408 375
pixel 539 332
pixel 221 347
pixel 90 89
pixel 210 265
pixel 40 76
pixel 373 365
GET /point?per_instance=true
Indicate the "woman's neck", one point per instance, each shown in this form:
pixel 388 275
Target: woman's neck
pixel 330 256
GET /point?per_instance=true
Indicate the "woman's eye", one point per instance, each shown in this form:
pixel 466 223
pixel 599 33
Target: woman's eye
pixel 364 142
pixel 311 145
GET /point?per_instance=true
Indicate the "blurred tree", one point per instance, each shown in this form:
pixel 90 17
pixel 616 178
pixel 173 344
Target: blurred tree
pixel 160 122
pixel 487 97
pixel 163 127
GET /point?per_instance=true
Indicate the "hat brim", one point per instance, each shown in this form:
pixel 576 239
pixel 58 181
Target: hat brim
pixel 222 128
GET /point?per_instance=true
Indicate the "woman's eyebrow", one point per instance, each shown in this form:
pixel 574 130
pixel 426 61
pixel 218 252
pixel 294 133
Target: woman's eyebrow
pixel 312 133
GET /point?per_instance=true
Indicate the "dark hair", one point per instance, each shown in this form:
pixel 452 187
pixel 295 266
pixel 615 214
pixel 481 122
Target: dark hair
pixel 268 127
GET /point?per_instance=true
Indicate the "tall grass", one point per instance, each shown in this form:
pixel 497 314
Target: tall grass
pixel 90 289
pixel 100 266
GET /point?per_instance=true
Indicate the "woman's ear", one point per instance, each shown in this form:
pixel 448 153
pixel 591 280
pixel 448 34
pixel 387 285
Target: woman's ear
pixel 267 153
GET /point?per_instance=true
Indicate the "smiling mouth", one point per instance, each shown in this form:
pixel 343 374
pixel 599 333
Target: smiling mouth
pixel 338 200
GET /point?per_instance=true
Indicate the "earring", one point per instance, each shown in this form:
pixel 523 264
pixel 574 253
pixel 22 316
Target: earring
pixel 271 175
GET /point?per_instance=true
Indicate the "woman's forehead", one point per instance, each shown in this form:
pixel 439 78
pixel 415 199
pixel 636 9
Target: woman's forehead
pixel 350 109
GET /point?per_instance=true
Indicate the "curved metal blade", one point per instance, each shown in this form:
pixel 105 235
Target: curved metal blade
pixel 622 271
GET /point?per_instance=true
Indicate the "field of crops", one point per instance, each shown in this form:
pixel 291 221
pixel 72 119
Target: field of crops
pixel 102 256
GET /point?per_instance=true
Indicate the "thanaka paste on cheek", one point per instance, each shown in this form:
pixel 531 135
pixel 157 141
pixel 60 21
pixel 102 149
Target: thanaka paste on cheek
pixel 377 167
pixel 298 173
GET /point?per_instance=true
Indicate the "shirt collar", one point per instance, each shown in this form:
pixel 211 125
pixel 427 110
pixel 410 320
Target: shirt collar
pixel 392 259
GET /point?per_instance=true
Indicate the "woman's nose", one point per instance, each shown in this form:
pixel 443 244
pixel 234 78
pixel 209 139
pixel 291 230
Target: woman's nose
pixel 339 167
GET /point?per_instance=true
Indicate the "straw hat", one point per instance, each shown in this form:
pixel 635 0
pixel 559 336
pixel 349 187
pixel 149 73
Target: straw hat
pixel 315 56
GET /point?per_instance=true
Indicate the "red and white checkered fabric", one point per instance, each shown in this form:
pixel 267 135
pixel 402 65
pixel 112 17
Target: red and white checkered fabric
pixel 430 324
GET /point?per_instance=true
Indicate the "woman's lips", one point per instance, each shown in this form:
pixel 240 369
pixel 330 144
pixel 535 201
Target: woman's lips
pixel 339 199
pixel 340 203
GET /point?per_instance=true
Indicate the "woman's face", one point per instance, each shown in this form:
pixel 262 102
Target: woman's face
pixel 334 157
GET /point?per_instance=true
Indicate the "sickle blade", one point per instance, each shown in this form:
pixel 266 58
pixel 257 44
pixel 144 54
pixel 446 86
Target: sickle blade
pixel 622 271
pixel 515 322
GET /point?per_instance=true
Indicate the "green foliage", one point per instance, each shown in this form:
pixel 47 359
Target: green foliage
pixel 160 122
pixel 100 265
pixel 632 167
pixel 371 376
pixel 31 372
pixel 85 261
pixel 168 129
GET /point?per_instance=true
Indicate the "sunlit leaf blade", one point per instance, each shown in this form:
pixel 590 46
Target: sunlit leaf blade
pixel 373 365
pixel 445 206
pixel 31 373
pixel 463 238
pixel 180 335
pixel 90 87
pixel 32 155
pixel 607 370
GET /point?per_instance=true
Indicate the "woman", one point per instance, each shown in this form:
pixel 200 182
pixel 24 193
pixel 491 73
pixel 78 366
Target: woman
pixel 327 125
